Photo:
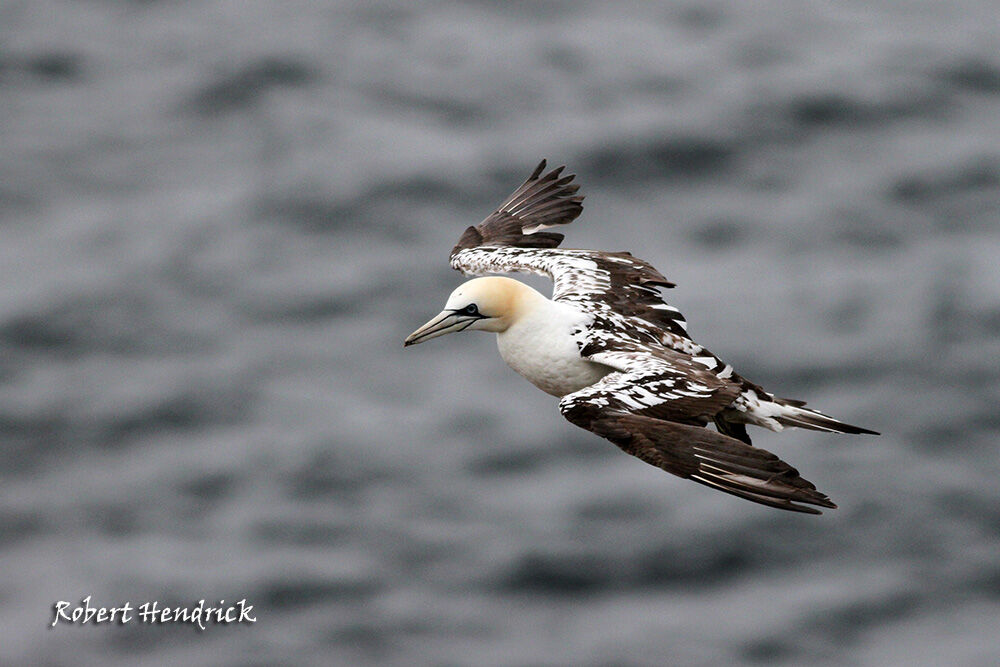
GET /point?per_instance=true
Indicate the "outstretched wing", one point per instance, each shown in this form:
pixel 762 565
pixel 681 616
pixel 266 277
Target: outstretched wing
pixel 654 410
pixel 606 283
pixel 538 203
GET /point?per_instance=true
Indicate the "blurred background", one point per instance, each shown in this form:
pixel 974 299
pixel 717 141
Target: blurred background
pixel 220 219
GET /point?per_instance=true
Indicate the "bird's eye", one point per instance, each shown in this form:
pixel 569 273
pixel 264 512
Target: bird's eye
pixel 471 309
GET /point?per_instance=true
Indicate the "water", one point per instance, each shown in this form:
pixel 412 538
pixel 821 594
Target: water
pixel 220 220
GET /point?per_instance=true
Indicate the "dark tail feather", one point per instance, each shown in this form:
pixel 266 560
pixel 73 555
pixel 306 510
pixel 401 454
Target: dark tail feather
pixel 817 421
pixel 732 429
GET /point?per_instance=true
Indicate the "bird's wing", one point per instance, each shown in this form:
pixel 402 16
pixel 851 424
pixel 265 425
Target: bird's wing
pixel 650 408
pixel 538 203
pixel 613 285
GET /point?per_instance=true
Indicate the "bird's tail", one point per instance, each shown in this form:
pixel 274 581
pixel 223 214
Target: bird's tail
pixel 794 413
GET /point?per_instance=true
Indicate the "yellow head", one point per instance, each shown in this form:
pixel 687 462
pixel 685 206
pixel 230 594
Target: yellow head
pixel 484 304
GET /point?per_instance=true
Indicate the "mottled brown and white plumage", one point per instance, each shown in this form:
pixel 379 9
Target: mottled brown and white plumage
pixel 616 353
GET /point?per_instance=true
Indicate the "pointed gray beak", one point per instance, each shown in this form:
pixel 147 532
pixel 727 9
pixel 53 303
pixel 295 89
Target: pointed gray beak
pixel 445 322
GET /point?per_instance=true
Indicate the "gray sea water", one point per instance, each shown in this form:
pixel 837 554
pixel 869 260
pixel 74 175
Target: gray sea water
pixel 220 219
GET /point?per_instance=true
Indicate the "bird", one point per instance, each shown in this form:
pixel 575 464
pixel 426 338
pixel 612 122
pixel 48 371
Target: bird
pixel 616 354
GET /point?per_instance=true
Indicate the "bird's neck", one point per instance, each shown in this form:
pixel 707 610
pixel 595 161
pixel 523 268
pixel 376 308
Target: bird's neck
pixel 543 345
pixel 526 302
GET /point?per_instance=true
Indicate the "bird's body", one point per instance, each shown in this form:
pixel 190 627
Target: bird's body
pixel 617 355
pixel 543 345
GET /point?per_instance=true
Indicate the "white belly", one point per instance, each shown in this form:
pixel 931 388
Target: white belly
pixel 543 350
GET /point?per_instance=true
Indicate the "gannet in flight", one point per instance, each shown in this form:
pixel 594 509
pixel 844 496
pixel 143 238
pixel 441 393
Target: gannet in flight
pixel 617 355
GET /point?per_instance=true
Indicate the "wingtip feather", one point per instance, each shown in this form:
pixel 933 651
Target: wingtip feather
pixel 538 170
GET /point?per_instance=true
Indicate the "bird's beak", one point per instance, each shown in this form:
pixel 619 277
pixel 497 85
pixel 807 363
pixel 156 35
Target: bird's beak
pixel 445 322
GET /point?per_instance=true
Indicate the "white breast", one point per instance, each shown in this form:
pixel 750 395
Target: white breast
pixel 543 348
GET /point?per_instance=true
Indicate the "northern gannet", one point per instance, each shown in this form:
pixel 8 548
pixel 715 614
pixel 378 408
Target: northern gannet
pixel 618 356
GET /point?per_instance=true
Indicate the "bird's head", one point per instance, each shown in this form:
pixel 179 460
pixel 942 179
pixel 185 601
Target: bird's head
pixel 486 304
